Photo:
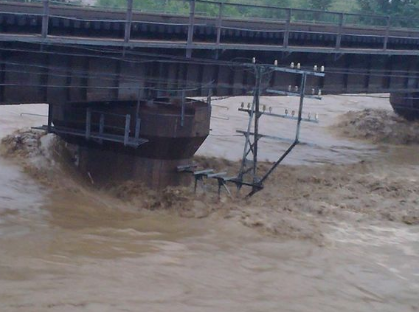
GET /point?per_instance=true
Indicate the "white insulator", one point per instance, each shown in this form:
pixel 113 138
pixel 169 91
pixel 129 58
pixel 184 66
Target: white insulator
pixel 254 60
pixel 289 88
pixel 296 88
pixel 248 105
pixel 298 65
pixel 313 91
pixel 322 69
pixel 242 106
pixel 320 92
pixel 293 113
pixel 316 116
pixel 286 112
pixel 315 68
pixel 292 65
pixel 276 63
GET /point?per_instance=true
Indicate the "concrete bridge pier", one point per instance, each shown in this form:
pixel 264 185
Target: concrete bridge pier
pixel 143 141
pixel 406 104
pixel 107 167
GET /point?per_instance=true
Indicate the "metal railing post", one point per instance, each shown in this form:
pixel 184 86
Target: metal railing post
pixel 192 4
pixel 388 21
pixel 287 28
pixel 45 18
pixel 128 21
pixel 219 22
pixel 339 33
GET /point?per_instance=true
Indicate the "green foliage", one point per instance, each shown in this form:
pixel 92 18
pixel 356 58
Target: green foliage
pixel 403 12
pixel 322 5
pixel 401 8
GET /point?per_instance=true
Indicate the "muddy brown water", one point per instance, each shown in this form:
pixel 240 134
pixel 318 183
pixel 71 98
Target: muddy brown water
pixel 79 251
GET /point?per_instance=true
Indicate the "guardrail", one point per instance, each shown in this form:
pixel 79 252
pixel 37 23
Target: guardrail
pixel 221 13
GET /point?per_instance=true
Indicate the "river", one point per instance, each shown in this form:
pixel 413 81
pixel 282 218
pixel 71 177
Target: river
pixel 77 250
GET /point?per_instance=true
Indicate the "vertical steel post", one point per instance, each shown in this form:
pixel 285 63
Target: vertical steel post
pixel 287 28
pixel 340 30
pixel 300 108
pixel 248 147
pixel 128 21
pixel 45 18
pixel 88 123
pixel 219 22
pixel 50 112
pixel 191 26
pixel 256 122
pixel 127 129
pixel 388 25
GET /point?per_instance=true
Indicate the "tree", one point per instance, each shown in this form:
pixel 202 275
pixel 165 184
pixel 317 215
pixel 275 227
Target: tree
pixel 322 5
pixel 401 8
pixel 403 12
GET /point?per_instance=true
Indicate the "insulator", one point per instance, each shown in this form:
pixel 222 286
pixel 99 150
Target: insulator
pixel 248 105
pixel 313 91
pixel 316 116
pixel 289 88
pixel 298 65
pixel 296 88
pixel 293 113
pixel 315 68
pixel 264 107
pixel 242 106
pixel 322 69
pixel 254 60
pixel 320 92
pixel 292 65
pixel 286 112
pixel 276 63
pixel 270 109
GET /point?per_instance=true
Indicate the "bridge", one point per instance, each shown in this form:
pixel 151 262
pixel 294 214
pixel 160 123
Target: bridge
pixel 106 74
pixel 361 53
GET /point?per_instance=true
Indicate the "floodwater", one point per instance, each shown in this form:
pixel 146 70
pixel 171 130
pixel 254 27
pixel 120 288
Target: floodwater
pixel 318 144
pixel 85 251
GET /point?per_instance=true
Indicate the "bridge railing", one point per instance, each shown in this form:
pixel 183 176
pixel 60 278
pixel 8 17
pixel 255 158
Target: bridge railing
pixel 210 8
pixel 218 15
pixel 344 23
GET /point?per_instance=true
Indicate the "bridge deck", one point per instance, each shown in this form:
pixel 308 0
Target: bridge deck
pixel 198 45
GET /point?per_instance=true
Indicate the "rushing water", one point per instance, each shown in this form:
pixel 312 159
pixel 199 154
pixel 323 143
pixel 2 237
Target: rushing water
pixel 78 251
